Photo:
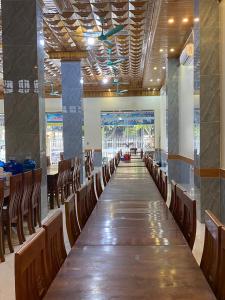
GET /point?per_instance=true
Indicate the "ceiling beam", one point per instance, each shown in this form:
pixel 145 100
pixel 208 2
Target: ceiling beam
pixel 68 55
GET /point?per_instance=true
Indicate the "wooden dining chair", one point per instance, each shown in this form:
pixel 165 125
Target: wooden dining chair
pixel 220 286
pixel 26 202
pixel 104 175
pixel 212 245
pixel 173 196
pixel 36 198
pixel 61 182
pixel 11 212
pixel 2 258
pixel 98 184
pixel 163 185
pixel 31 276
pixel 54 243
pixel 89 198
pixel 107 173
pixel 178 205
pixel 72 225
pixel 189 219
pixel 81 206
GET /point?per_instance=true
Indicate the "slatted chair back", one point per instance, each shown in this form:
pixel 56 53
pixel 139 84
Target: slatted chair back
pixel 72 225
pixel 36 196
pixel 26 202
pixel 212 245
pixel 173 197
pixel 2 258
pixel 98 184
pixel 163 185
pixel 188 225
pixel 54 243
pixel 16 193
pixel 81 206
pixel 31 277
pixel 220 286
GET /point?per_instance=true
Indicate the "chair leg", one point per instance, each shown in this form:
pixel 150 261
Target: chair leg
pixel 2 257
pixel 9 236
pixel 38 215
pixel 30 223
pixel 19 232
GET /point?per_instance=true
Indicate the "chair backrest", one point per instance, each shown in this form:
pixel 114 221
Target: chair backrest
pixel 173 196
pixel 36 193
pixel 81 206
pixel 31 277
pixel 212 244
pixel 104 175
pixel 16 193
pixel 163 185
pixel 26 201
pixel 72 225
pixel 188 225
pixel 89 197
pixel 54 243
pixel 178 206
pixel 220 286
pixel 98 184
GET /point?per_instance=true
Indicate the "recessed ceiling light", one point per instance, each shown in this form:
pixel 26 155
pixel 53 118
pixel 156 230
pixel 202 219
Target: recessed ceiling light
pixel 158 79
pixel 149 89
pixel 151 80
pixel 91 41
pixel 155 68
pixel 185 20
pixel 109 90
pixel 154 89
pixel 196 20
pixel 105 80
pixel 161 50
pixel 172 50
pixel 163 68
pixel 171 21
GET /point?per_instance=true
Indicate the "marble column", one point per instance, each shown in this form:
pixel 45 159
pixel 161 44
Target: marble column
pixel 73 116
pixel 207 106
pixel 173 116
pixel 23 74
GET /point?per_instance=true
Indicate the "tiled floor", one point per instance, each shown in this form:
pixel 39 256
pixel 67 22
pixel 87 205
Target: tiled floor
pixel 7 289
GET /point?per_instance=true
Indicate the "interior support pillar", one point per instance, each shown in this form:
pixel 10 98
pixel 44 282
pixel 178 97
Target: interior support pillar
pixel 23 72
pixel 207 107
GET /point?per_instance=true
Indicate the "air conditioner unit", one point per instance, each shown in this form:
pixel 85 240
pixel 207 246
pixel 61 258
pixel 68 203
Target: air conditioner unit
pixel 187 55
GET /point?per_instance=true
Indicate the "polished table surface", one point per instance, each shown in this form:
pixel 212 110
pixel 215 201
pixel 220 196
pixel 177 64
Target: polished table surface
pixel 130 248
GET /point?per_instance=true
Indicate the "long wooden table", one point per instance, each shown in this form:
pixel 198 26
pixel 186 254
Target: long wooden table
pixel 131 248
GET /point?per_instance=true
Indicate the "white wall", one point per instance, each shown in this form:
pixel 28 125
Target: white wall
pixel 222 64
pixel 186 111
pixel 94 106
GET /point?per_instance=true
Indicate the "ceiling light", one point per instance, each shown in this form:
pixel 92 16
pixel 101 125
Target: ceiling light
pixel 105 80
pixel 158 79
pixel 155 68
pixel 148 88
pixel 196 20
pixel 91 41
pixel 161 50
pixel 109 90
pixel 185 20
pixel 171 21
pixel 163 68
pixel 172 50
pixel 151 80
